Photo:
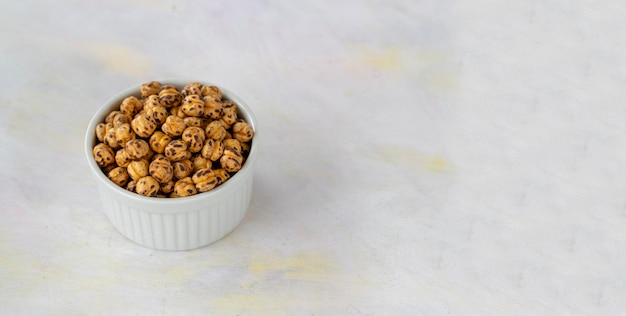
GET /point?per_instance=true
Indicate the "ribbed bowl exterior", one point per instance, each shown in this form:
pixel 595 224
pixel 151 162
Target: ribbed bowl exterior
pixel 175 223
pixel 184 230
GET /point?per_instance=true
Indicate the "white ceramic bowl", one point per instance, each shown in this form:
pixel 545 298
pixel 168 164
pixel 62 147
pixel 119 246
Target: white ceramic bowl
pixel 175 223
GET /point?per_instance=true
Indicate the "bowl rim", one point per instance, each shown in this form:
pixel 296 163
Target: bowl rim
pixel 106 107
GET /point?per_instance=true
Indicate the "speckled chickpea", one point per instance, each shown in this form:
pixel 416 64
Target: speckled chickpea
pixel 161 170
pixel 212 149
pixel 196 122
pixel 242 132
pixel 158 113
pixel 101 131
pixel 212 107
pixel 211 91
pixel 103 154
pixel 184 187
pixel 138 169
pixel 169 96
pixel 215 130
pixel 149 88
pixel 178 111
pixel 110 138
pixel 192 106
pixel 231 160
pixel 137 148
pixel 120 119
pixel 245 149
pixel 204 180
pixel 143 125
pixel 173 126
pixel 221 175
pixel 131 106
pixel 183 168
pixel 191 88
pixel 109 118
pixel 147 186
pixel 121 158
pixel 150 102
pixel 200 162
pixel 168 187
pixel 232 143
pixel 176 150
pixel 119 176
pixel 194 138
pixel 158 141
pixel 123 134
pixel 229 116
pixel 131 186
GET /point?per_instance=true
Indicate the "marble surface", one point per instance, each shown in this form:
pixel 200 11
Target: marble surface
pixel 420 157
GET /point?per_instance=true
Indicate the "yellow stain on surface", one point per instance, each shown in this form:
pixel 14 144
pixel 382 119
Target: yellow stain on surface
pixel 308 265
pixel 120 58
pixel 407 157
pixel 430 67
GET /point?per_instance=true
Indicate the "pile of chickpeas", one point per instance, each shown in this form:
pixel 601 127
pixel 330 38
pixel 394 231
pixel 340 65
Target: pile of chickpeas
pixel 171 142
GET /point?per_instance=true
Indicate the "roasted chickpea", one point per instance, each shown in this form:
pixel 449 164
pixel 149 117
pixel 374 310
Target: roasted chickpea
pixel 173 126
pixel 242 132
pixel 191 89
pixel 204 180
pixel 121 158
pixel 193 106
pixel 147 186
pixel 138 169
pixel 161 170
pixel 119 176
pixel 200 162
pixel 215 130
pixel 158 141
pixel 169 96
pixel 176 150
pixel 211 91
pixel 149 88
pixel 229 116
pixel 158 114
pixel 213 149
pixel 123 134
pixel 101 131
pixel 231 160
pixel 183 168
pixel 212 107
pixel 184 187
pixel 143 125
pixel 221 175
pixel 103 154
pixel 131 106
pixel 194 138
pixel 137 148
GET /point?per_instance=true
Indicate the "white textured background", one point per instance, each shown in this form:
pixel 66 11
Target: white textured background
pixel 419 157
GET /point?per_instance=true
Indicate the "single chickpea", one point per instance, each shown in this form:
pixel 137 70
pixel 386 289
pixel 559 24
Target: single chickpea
pixel 200 162
pixel 121 158
pixel 161 170
pixel 147 186
pixel 184 187
pixel 158 141
pixel 212 149
pixel 169 96
pixel 211 91
pixel 191 89
pixel 221 175
pixel 194 138
pixel 176 150
pixel 183 168
pixel 204 180
pixel 193 105
pixel 231 160
pixel 212 107
pixel 123 134
pixel 138 169
pixel 215 130
pixel 143 125
pixel 103 154
pixel 173 126
pixel 242 132
pixel 131 106
pixel 149 88
pixel 229 116
pixel 137 148
pixel 119 176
